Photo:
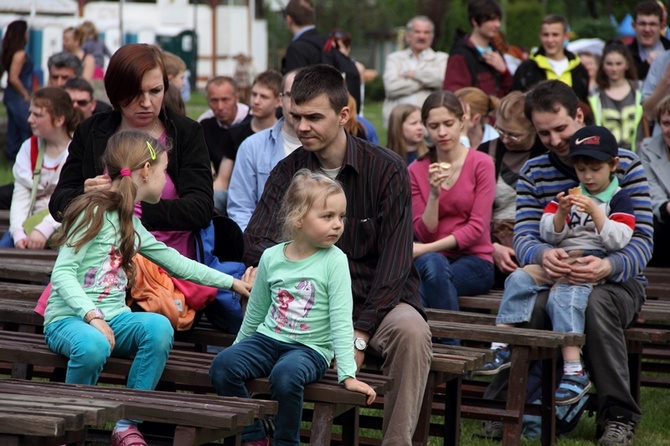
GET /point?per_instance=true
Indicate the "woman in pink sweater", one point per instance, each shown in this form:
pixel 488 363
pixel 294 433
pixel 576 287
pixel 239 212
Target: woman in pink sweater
pixel 453 189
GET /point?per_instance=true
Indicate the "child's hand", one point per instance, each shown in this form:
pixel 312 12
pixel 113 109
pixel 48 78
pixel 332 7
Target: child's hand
pixel 584 204
pixel 242 288
pixel 564 203
pixel 359 386
pixel 103 327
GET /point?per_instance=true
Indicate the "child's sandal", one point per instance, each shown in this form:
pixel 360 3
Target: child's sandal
pixel 128 437
pixel 572 388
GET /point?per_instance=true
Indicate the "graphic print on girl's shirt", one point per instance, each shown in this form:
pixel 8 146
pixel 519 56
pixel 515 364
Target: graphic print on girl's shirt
pixel 294 308
pixel 111 276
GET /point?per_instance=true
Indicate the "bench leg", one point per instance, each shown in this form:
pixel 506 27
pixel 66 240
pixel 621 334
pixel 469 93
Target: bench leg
pixel 452 411
pixel 635 368
pixel 23 371
pixel 548 408
pixel 350 426
pixel 322 424
pixel 184 435
pixel 516 396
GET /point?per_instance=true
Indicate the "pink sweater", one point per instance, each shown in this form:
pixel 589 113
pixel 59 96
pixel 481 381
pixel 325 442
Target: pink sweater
pixel 464 210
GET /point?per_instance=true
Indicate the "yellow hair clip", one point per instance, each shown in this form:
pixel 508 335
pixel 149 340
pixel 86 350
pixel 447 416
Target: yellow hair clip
pixel 152 152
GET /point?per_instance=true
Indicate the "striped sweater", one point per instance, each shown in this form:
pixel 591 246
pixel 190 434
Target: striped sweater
pixel 543 177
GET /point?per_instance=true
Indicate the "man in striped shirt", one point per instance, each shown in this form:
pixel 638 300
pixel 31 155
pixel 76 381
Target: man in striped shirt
pixel 377 239
pixel 553 108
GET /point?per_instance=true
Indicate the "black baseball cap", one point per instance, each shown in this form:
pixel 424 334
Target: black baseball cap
pixel 594 142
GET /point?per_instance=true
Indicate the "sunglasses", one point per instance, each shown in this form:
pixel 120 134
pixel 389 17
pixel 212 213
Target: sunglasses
pixel 82 102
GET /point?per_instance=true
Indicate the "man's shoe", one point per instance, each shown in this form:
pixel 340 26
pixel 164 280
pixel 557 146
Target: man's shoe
pixel 500 362
pixel 617 433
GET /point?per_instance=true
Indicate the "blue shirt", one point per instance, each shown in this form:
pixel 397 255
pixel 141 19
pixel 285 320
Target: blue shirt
pixel 256 158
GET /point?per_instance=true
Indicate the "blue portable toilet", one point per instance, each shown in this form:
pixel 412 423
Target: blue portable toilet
pixel 626 27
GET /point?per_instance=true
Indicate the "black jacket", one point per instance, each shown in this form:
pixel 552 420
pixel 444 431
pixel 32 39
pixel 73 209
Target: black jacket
pixel 642 66
pixel 188 167
pixel 529 73
pixel 305 51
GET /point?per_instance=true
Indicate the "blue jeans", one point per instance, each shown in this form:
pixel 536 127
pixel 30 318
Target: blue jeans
pixel 289 367
pixel 221 201
pixel 6 241
pixel 566 306
pixel 148 336
pixel 18 129
pixel 518 298
pixel 444 279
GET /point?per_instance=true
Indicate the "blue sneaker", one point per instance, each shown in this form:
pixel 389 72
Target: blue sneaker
pixel 500 362
pixel 572 388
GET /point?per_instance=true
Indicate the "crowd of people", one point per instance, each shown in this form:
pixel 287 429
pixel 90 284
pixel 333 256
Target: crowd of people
pixel 544 174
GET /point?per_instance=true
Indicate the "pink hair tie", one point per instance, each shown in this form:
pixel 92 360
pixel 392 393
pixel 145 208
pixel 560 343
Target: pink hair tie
pixel 125 172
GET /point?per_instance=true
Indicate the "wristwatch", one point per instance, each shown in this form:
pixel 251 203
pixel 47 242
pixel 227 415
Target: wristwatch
pixel 95 313
pixel 360 344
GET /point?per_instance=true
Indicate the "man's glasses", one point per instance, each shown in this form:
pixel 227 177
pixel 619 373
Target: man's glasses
pixel 82 102
pixel 648 24
pixel 503 135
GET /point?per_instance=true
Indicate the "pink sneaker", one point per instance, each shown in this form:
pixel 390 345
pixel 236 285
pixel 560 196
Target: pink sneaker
pixel 128 437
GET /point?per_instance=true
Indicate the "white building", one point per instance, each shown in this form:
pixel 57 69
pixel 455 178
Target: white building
pixel 219 33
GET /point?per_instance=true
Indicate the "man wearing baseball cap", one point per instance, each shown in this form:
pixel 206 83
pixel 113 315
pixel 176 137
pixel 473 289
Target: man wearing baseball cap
pixel 553 108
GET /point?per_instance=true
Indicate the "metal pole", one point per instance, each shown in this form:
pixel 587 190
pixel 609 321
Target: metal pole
pixel 123 34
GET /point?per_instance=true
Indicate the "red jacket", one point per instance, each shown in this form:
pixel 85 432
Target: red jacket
pixel 466 68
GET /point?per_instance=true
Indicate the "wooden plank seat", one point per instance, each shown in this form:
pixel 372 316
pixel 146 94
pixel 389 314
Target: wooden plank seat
pixel 199 418
pixel 33 254
pixel 25 270
pixel 190 370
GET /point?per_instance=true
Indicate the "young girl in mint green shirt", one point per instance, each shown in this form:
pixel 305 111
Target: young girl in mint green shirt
pixel 86 317
pixel 299 314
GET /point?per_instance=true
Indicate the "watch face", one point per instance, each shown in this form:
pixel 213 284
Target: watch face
pixel 360 344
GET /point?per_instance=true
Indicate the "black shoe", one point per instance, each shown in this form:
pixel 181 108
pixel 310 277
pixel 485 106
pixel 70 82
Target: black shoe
pixel 617 433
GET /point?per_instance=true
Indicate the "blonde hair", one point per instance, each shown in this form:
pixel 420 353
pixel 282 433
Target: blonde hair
pixel 305 189
pixel 395 138
pixel 84 216
pixel 173 64
pixel 480 103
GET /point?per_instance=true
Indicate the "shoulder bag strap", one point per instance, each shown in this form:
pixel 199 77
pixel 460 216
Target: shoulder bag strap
pixel 36 172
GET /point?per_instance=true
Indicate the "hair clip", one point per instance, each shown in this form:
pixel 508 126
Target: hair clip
pixel 152 152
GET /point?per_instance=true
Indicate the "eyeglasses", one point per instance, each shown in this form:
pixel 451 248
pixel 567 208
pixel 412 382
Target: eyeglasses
pixel 286 94
pixel 648 24
pixel 503 135
pixel 82 102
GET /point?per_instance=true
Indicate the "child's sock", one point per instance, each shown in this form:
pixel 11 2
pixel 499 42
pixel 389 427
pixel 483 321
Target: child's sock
pixel 497 345
pixel 123 425
pixel 573 367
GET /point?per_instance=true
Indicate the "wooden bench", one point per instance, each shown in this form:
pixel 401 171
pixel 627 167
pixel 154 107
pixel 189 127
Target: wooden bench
pixel 527 345
pixel 38 411
pixel 190 371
